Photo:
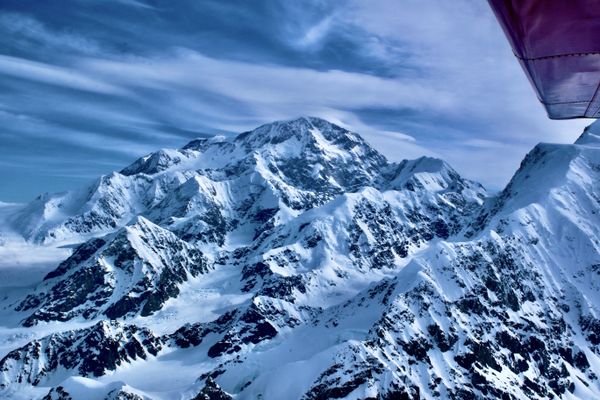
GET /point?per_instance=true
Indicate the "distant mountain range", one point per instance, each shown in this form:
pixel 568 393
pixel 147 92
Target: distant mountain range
pixel 296 262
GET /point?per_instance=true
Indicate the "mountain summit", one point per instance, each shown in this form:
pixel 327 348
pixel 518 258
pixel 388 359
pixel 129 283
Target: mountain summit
pixel 294 261
pixel 590 136
pixel 300 163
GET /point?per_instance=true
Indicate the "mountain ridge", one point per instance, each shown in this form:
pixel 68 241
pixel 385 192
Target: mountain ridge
pixel 295 261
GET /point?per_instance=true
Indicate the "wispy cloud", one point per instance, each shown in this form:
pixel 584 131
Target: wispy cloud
pixel 111 80
pixel 30 32
pixel 259 84
pixel 53 75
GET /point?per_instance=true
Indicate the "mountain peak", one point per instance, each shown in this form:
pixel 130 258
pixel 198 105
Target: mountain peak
pixel 590 136
pixel 427 173
pixel 154 162
pixel 301 128
pixel 305 121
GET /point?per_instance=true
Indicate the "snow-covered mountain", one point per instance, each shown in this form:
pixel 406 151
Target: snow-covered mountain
pixel 295 262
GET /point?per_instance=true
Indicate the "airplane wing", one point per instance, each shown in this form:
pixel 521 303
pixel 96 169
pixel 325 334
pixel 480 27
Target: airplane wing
pixel 557 43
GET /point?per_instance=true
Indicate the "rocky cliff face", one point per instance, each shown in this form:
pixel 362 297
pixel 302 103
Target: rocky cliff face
pixel 132 271
pixel 295 261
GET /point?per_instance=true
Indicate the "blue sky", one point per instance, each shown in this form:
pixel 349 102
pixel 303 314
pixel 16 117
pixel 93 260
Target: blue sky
pixel 86 86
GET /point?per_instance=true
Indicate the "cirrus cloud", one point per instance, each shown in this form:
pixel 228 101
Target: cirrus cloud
pixel 97 83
